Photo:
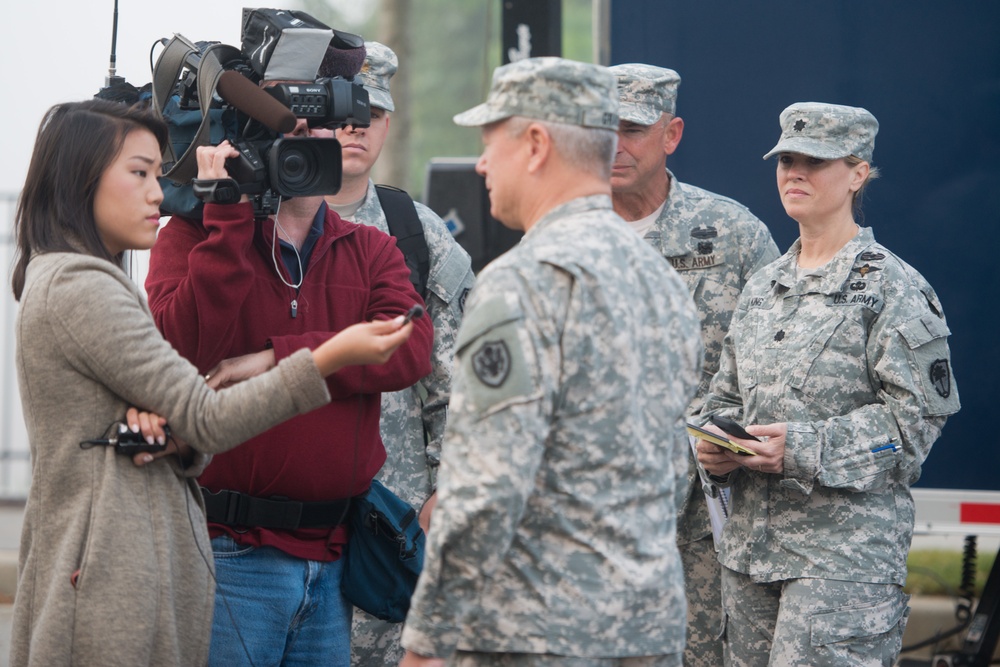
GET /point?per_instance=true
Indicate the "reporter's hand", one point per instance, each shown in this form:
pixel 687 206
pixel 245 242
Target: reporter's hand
pixel 230 371
pixel 364 343
pixel 153 428
pixel 150 424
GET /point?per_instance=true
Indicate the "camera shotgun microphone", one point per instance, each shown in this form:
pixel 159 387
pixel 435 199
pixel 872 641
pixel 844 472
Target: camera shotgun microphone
pixel 246 96
pixel 344 57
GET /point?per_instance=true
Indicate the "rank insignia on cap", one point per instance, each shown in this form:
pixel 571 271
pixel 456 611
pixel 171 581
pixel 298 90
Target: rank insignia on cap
pixel 940 377
pixel 800 125
pixel 491 363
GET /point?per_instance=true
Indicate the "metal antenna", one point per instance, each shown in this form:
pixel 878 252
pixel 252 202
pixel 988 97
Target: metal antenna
pixel 112 79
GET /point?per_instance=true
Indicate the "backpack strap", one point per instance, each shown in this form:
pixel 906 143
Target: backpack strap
pixel 404 224
pixel 165 75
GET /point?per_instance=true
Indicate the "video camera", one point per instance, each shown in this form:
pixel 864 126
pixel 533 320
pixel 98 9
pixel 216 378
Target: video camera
pixel 208 92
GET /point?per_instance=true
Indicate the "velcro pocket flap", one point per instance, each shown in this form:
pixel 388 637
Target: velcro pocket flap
pixel 852 624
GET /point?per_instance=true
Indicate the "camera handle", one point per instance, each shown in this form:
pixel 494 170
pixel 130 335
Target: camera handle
pixel 216 190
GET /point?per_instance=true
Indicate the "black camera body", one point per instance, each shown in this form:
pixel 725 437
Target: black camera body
pixel 328 102
pixel 289 166
pixel 215 87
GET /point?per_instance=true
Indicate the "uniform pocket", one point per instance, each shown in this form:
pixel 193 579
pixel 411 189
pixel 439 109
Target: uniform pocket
pixel 447 277
pixel 872 630
pixel 926 340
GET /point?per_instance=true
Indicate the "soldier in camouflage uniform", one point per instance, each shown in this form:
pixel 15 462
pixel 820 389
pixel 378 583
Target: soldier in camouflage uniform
pixel 553 541
pixel 838 355
pixel 715 244
pixel 413 420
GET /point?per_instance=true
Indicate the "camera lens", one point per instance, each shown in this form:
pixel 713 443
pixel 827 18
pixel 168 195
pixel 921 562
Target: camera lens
pixel 300 166
pixel 294 167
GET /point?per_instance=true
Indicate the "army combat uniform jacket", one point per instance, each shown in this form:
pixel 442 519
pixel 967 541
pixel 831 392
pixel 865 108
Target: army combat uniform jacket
pixel 715 244
pixel 854 357
pixel 413 420
pixel 554 530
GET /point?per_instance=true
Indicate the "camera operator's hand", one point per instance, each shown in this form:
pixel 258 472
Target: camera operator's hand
pixel 153 428
pixel 212 160
pixel 230 371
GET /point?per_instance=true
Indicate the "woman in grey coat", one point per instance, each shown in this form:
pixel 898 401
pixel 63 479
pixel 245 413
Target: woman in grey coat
pixel 115 565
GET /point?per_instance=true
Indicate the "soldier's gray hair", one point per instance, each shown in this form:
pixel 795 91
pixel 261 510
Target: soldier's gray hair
pixel 590 148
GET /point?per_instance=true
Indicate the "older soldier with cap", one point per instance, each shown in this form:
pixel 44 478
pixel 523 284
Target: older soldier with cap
pixel 413 420
pixel 837 358
pixel 715 244
pixel 553 539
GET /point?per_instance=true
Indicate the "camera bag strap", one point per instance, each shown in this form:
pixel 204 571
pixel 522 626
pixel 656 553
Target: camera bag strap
pixel 404 224
pixel 165 75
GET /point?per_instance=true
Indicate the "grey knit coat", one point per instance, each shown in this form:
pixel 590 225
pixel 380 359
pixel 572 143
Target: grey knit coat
pixel 87 348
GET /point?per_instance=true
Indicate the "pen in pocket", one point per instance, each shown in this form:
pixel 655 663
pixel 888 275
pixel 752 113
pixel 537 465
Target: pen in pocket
pixel 891 446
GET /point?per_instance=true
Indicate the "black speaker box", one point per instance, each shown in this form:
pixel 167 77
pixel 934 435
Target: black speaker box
pixel 458 194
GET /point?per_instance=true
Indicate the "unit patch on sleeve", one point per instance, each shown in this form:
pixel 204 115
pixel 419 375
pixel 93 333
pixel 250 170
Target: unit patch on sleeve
pixel 491 363
pixel 940 377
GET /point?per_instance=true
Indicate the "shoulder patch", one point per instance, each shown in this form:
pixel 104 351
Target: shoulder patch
pixel 940 377
pixel 495 360
pixel 491 363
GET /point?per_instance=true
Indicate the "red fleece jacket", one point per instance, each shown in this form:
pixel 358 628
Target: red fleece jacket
pixel 214 294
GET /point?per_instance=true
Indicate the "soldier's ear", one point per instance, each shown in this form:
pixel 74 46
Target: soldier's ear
pixel 539 145
pixel 672 135
pixel 859 174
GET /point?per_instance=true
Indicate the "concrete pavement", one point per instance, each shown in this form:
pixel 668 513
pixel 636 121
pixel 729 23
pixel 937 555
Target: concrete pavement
pixel 928 616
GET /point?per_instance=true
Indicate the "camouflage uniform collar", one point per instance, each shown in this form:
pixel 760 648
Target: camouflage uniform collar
pixel 830 277
pixel 669 239
pixel 370 208
pixel 572 207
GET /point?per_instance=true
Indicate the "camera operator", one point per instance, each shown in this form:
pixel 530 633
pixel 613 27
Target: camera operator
pixel 246 292
pixel 413 420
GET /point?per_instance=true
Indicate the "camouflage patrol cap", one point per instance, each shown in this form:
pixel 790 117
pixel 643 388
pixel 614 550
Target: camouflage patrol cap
pixel 826 131
pixel 646 92
pixel 550 89
pixel 380 64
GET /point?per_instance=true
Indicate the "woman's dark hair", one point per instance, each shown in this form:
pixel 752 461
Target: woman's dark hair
pixel 76 143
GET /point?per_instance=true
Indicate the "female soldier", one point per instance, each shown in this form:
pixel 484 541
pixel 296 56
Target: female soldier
pixel 114 564
pixel 837 357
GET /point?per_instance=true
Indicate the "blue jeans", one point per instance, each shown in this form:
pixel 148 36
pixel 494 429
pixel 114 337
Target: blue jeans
pixel 275 609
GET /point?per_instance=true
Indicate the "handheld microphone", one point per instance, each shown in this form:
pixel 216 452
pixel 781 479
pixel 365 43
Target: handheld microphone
pixel 243 94
pixel 416 311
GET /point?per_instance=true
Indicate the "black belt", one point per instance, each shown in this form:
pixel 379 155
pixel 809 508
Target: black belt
pixel 233 508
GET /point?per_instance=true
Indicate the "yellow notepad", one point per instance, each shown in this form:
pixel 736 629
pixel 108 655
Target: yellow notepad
pixel 716 439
